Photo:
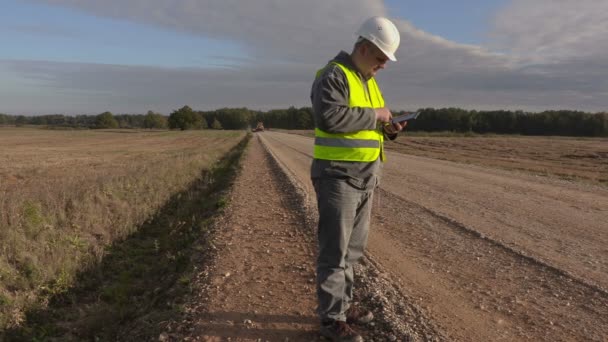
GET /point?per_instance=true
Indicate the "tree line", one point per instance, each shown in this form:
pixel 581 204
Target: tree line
pixel 553 122
pixel 560 122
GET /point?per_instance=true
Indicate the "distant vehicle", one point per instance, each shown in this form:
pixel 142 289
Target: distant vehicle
pixel 259 127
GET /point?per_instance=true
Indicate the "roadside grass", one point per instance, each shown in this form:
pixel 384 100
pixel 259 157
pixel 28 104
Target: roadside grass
pixel 140 280
pixel 65 196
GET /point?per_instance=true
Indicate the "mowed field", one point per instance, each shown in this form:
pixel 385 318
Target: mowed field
pixel 579 159
pixel 568 158
pixel 66 195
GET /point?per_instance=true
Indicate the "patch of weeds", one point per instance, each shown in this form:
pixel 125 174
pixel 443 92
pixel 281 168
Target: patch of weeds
pixel 184 280
pixel 57 287
pixel 221 203
pixel 33 220
pixel 4 300
pixel 28 272
pixel 31 213
pixel 76 242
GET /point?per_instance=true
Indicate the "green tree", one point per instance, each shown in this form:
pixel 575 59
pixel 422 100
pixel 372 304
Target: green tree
pixel 305 119
pixel 185 118
pixel 105 120
pixel 155 120
pixel 600 124
pixel 5 119
pixel 21 120
pixel 234 118
pixel 216 124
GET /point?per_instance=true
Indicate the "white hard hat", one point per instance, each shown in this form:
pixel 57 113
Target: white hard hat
pixel 382 33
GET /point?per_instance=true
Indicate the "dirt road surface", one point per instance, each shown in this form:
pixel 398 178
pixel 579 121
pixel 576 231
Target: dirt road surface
pixel 260 283
pixel 491 255
pixel 456 253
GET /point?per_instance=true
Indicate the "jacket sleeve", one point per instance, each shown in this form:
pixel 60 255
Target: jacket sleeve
pixel 330 105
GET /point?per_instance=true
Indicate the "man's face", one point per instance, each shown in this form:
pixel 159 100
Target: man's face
pixel 373 60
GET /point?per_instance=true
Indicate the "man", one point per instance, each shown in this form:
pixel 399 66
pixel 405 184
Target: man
pixel 351 122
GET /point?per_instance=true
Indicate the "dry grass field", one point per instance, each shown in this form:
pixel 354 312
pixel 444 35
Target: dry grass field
pixel 65 196
pixel 582 159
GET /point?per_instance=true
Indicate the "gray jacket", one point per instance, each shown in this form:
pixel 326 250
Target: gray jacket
pixel 331 114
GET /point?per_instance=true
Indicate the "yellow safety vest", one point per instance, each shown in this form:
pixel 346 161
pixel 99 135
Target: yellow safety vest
pixel 360 146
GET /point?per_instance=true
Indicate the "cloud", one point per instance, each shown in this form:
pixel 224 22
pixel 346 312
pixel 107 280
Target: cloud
pixel 93 88
pixel 285 42
pixel 553 30
pixel 43 30
pixel 559 48
pixel 297 31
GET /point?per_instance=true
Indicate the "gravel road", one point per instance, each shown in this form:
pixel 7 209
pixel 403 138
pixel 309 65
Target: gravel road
pixel 488 255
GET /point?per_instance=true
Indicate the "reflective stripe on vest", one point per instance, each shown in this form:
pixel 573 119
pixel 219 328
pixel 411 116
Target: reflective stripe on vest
pixel 360 146
pixel 346 142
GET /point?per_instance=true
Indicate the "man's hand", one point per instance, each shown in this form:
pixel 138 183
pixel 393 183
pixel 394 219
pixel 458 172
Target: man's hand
pixel 383 114
pixel 395 127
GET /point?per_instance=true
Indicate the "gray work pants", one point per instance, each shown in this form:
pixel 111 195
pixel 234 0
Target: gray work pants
pixel 344 216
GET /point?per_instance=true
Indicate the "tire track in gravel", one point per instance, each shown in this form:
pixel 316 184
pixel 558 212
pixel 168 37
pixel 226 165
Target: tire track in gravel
pixel 507 249
pixel 478 290
pixel 261 283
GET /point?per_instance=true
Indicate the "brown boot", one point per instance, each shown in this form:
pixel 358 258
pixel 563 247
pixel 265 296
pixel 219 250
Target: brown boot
pixel 339 331
pixel 356 315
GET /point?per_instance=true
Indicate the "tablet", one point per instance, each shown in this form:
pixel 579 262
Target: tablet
pixel 405 117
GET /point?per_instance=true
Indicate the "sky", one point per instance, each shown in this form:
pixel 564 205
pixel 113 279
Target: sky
pixel 131 56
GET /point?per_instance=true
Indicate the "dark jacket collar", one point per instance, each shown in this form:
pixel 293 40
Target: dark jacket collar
pixel 345 59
